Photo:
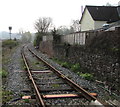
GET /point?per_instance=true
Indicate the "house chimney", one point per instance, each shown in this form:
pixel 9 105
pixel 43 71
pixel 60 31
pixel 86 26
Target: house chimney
pixel 119 3
pixel 118 9
pixel 81 9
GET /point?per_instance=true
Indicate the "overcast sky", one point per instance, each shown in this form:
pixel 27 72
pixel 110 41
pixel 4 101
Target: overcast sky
pixel 23 13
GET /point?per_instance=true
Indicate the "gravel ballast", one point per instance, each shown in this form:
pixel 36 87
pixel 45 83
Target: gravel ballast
pixel 18 83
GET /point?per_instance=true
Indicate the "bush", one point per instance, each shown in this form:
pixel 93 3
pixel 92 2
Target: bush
pixel 76 67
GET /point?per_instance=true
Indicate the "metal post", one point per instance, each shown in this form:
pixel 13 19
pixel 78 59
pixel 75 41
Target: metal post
pixel 10 28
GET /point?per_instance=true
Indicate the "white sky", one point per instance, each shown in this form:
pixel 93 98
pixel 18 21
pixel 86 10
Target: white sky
pixel 23 13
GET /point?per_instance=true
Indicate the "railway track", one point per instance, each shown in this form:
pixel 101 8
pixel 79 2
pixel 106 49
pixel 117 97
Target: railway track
pixel 51 86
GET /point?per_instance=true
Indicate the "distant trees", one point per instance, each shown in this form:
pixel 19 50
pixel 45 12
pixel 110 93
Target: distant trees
pixel 108 4
pixel 76 25
pixel 63 30
pixel 43 24
pixel 26 37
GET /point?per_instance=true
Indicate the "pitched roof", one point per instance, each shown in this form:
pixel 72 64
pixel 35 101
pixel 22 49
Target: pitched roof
pixel 103 13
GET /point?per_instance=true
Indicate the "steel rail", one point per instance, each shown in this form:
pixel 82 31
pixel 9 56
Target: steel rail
pixel 41 102
pixel 71 83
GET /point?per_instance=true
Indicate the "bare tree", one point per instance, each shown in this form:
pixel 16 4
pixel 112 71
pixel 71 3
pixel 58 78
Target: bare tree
pixel 63 30
pixel 108 4
pixel 76 25
pixel 42 24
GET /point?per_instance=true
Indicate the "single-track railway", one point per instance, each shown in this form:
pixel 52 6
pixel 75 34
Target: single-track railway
pixel 54 82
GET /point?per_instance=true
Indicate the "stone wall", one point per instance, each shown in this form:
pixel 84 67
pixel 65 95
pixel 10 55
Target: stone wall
pixel 100 57
pixel 104 67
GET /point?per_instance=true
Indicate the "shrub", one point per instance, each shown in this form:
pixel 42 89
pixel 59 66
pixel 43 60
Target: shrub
pixel 75 67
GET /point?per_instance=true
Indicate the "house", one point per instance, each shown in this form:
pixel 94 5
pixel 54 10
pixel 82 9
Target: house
pixel 94 17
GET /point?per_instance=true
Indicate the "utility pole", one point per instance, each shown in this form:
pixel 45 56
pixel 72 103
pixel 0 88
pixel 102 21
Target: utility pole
pixel 10 28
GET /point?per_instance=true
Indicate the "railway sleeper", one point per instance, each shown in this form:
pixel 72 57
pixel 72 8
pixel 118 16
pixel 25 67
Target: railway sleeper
pixel 58 96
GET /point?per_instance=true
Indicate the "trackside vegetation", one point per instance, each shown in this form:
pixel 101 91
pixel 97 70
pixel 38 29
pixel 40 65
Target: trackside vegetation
pixel 75 68
pixel 9 43
pixel 8 47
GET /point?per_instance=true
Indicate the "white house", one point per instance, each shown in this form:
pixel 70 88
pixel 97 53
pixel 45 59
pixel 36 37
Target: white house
pixel 94 17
